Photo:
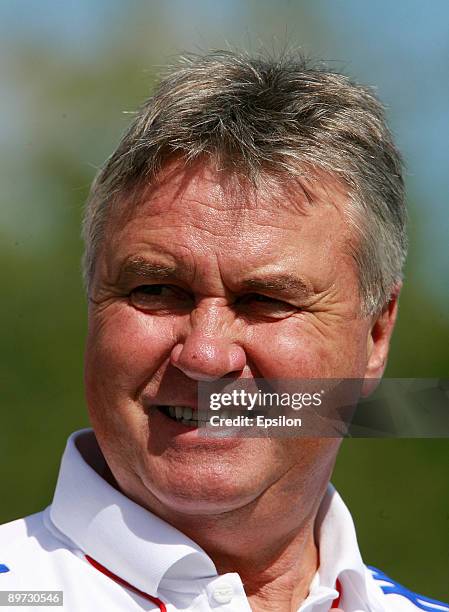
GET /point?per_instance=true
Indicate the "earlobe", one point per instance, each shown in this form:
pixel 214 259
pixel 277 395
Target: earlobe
pixel 378 342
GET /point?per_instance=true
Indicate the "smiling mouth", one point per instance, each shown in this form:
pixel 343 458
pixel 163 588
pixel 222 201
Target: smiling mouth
pixel 193 418
pixel 182 414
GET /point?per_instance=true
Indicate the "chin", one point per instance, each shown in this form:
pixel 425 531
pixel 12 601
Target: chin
pixel 202 490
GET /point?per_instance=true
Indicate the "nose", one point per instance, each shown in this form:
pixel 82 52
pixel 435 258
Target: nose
pixel 208 351
pixel 207 359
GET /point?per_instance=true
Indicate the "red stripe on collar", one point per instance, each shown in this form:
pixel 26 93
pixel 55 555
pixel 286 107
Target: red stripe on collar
pixel 156 600
pixel 336 601
pixel 160 604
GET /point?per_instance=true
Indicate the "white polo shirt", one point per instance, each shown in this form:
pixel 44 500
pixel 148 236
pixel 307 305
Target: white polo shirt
pixel 106 553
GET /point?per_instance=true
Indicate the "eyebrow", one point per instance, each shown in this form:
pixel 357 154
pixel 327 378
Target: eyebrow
pixel 140 267
pixel 283 283
pixel 143 268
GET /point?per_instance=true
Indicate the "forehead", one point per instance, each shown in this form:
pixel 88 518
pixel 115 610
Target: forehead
pixel 203 193
pixel 199 212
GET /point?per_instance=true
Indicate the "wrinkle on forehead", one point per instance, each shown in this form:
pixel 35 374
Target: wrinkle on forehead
pixel 229 193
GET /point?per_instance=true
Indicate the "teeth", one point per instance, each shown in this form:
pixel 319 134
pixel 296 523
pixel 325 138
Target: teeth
pixel 187 414
pixel 183 413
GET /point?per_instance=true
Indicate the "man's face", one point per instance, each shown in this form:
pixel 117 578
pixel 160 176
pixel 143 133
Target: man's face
pixel 200 281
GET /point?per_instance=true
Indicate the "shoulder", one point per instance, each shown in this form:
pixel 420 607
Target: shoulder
pixel 31 530
pixel 29 551
pixel 21 534
pixel 21 528
pixel 402 599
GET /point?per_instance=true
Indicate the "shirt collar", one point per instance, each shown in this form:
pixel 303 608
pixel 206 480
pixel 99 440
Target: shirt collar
pixel 340 559
pixel 125 538
pixel 141 548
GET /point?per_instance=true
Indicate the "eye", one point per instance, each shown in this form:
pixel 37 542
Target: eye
pixel 159 297
pixel 265 305
pixel 259 297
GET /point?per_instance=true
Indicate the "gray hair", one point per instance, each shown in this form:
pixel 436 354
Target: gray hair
pixel 276 117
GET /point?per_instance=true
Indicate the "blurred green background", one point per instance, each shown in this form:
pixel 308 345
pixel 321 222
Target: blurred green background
pixel 70 71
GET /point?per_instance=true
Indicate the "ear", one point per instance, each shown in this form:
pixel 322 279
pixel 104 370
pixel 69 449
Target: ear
pixel 378 342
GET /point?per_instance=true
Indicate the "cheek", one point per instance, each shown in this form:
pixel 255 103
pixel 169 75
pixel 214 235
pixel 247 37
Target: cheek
pixel 124 349
pixel 295 348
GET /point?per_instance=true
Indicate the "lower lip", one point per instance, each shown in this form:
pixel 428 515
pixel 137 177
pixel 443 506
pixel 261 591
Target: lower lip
pixel 168 429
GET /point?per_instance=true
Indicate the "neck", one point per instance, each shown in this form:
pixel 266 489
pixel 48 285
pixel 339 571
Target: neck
pixel 276 574
pixel 274 553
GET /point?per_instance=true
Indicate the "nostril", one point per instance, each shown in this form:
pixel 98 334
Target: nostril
pixel 176 353
pixel 201 355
